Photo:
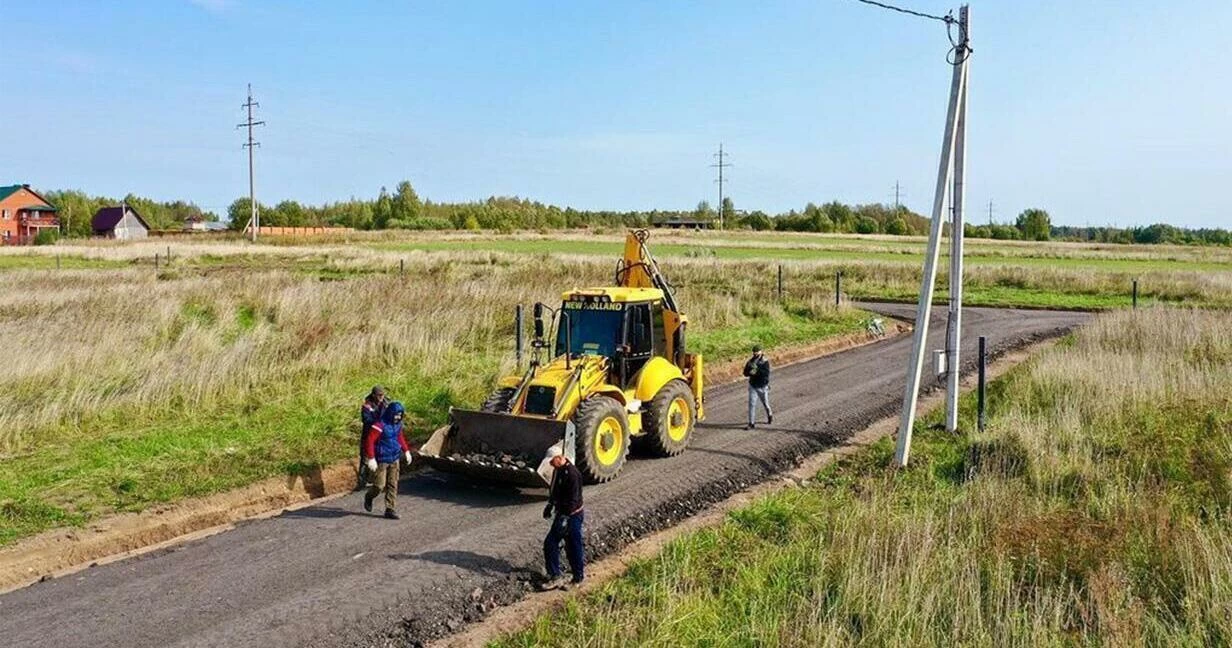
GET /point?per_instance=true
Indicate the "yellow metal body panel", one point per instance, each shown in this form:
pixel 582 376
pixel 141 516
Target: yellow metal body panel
pixel 618 294
pixel 696 371
pixel 657 372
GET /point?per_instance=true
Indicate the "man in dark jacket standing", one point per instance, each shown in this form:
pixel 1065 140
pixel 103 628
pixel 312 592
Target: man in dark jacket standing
pixel 384 448
pixel 565 510
pixel 757 369
pixel 369 414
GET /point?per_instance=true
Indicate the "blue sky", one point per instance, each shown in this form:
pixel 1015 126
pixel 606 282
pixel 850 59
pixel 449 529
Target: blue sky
pixel 1101 112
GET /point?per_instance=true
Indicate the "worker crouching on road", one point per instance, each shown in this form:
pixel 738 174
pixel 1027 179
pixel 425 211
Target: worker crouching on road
pixel 757 369
pixel 564 508
pixel 369 414
pixel 384 447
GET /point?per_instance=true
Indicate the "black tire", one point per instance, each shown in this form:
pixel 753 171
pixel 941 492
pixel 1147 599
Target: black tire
pixel 499 400
pixel 657 440
pixel 592 413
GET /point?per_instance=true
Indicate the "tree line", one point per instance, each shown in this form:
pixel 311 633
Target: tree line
pixel 77 208
pixel 403 209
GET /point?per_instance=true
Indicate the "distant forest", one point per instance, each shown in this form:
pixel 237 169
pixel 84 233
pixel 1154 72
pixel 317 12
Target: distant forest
pixel 403 209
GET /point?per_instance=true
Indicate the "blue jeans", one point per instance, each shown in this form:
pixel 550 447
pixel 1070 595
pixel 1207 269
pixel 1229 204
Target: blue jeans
pixel 759 394
pixel 569 529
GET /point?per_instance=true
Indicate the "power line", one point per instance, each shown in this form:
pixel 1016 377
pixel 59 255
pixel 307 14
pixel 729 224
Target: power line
pixel 254 220
pixel 720 165
pixel 960 46
pixel 947 19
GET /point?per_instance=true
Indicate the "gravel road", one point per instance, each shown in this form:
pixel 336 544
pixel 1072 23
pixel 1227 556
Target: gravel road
pixel 331 575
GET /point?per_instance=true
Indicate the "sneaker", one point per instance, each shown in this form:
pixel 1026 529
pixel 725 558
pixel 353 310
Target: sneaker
pixel 750 426
pixel 368 502
pixel 557 582
pixel 575 582
pixel 391 514
pixel 769 419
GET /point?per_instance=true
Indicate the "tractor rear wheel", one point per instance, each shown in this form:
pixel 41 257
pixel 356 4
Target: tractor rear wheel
pixel 499 400
pixel 602 438
pixel 669 419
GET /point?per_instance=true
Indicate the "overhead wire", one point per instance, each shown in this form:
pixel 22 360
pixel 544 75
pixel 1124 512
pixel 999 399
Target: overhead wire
pixel 960 47
pixel 911 12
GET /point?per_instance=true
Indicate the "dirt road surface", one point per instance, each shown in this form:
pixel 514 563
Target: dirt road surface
pixel 332 575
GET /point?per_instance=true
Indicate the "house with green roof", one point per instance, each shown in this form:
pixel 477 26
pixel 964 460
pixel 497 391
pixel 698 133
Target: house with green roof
pixel 23 214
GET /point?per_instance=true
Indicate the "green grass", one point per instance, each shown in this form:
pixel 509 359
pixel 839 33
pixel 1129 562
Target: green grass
pixel 1094 511
pixel 47 262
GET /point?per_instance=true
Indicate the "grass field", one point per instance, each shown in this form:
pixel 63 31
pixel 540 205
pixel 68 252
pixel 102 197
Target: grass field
pixel 1093 511
pixel 133 383
pixel 135 386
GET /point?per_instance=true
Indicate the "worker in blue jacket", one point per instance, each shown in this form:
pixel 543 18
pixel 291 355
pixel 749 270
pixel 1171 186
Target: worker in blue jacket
pixel 385 447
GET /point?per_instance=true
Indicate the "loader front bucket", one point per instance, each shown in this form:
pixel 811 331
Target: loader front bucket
pixel 498 447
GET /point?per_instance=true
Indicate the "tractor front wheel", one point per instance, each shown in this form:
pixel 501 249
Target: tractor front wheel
pixel 669 420
pixel 602 438
pixel 499 400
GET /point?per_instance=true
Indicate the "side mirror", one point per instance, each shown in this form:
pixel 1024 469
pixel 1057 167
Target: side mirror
pixel 538 321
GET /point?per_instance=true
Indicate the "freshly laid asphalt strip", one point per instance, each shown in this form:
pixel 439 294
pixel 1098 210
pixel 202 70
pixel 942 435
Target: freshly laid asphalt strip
pixel 332 575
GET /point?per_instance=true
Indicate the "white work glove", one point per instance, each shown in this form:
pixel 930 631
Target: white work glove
pixel 407 456
pixel 371 463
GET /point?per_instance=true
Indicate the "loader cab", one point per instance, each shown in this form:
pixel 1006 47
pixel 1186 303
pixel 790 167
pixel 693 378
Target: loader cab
pixel 626 330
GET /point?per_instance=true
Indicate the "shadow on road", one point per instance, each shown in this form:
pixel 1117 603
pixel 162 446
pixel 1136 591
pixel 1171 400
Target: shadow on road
pixel 319 513
pixel 468 560
pixel 464 491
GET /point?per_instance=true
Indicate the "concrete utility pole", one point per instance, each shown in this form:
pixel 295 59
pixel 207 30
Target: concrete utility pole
pixel 954 331
pixel 254 219
pixel 720 165
pixel 955 138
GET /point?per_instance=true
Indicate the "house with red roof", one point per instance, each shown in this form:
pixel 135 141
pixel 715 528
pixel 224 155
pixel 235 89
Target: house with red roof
pixel 23 214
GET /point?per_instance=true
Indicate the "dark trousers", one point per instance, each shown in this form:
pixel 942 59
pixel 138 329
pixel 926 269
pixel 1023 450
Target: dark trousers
pixel 362 478
pixel 569 529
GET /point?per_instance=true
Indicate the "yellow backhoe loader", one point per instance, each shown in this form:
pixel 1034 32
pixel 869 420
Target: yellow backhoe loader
pixel 617 375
